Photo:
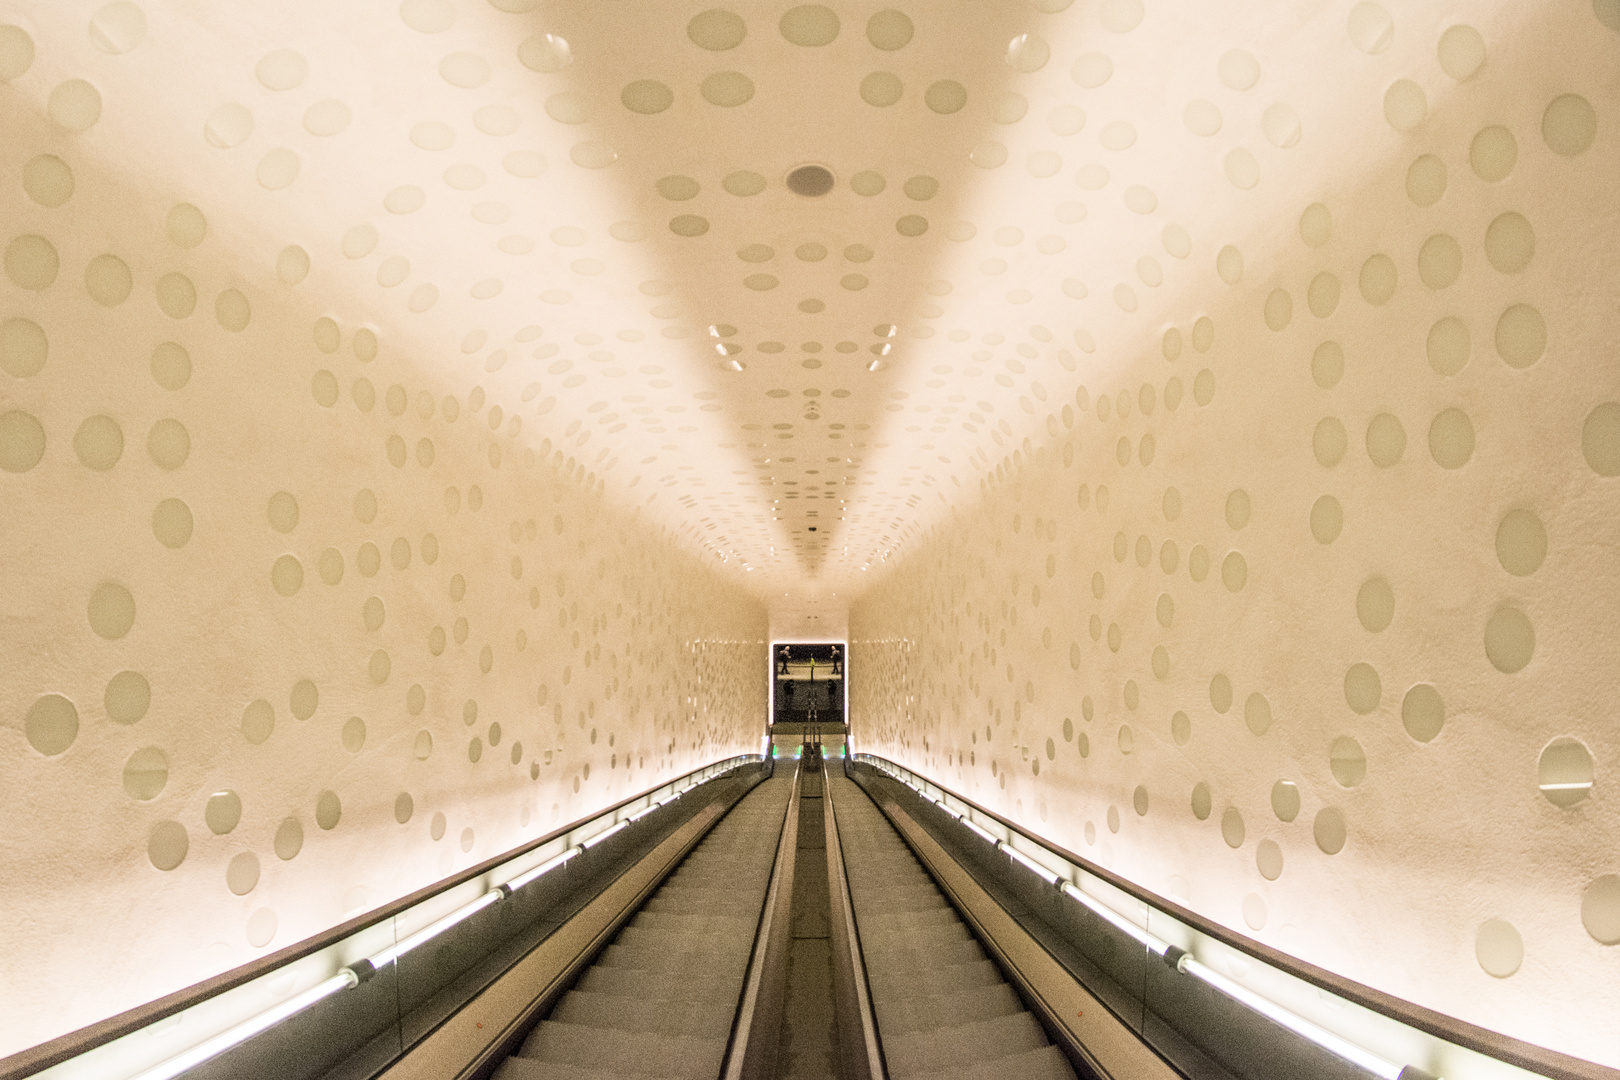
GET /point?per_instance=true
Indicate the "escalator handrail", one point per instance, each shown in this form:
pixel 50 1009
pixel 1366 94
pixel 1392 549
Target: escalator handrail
pixel 72 1044
pixel 1493 1044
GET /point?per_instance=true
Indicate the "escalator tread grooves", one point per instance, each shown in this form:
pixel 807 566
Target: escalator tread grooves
pixel 659 1001
pixel 943 1009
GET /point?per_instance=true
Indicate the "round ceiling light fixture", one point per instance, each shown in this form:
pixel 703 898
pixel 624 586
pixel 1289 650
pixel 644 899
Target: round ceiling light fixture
pixel 810 180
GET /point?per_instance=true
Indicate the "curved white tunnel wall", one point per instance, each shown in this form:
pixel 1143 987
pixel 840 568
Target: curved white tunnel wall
pixel 1293 605
pixel 295 622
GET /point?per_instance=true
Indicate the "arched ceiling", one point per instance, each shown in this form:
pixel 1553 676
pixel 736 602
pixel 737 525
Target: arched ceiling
pixel 582 210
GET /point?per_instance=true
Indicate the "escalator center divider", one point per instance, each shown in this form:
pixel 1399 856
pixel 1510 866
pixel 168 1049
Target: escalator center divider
pixel 756 1031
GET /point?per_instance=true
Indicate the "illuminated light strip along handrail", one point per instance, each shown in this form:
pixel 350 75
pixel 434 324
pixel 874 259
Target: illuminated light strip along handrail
pixel 363 970
pixel 212 1048
pixel 1183 961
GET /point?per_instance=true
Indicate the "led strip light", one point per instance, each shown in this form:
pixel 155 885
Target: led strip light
pixel 363 970
pixel 1183 961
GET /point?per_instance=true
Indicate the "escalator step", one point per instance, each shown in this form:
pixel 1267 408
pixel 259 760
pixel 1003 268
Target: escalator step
pixel 665 1016
pixel 926 1052
pixel 522 1068
pixel 630 981
pixel 945 980
pixel 1046 1063
pixel 907 1016
pixel 625 1051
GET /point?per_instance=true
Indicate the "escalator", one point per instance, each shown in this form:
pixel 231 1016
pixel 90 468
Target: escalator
pixel 944 1009
pixel 660 1000
pixel 810 923
pixel 664 1000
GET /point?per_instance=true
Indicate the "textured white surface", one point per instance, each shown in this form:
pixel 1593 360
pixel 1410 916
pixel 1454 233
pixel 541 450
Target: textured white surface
pixel 441 247
pixel 1081 651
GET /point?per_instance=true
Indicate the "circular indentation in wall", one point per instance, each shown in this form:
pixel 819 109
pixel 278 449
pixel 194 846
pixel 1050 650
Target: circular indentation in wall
pixel 1375 604
pixel 1448 345
pixel 1569 125
pixel 261 928
pixel 1521 542
pixel 16 52
pixel 1268 858
pixel 1028 53
pixel 168 443
pixel 258 721
pixel 1521 336
pixel 111 610
pixel 1493 153
pixel 1510 640
pixel 1285 800
pixel 1498 948
pixel 1347 761
pixel 1181 728
pixel 1565 772
pixel 1257 713
pixel 1423 713
pixel 31 262
pixel 167 844
pixel 242 873
pixel 809 25
pixel 127 697
pixel 1370 27
pixel 945 97
pixel 1405 105
pixel 1600 909
pixel 223 812
pixel 1327 364
pixel 889 30
pixel 404 806
pixel 354 734
pixel 51 724
pixel 466 839
pixel 1600 438
pixel 282 512
pixel 287 575
pixel 1329 830
pixel 1378 279
pixel 171 365
pixel 1510 242
pixel 744 183
pixel 1452 439
pixel 1139 800
pixel 1327 519
pixel 1386 440
pixel 328 810
pixel 48 180
pixel 1201 802
pixel 1439 261
pixel 289 839
pixel 1232 830
pixel 1461 52
pixel 23 347
pixel 75 105
pixel 146 773
pixel 99 443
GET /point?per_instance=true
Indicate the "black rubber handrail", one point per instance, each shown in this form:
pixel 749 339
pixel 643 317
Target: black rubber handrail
pixel 1517 1052
pixel 65 1047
